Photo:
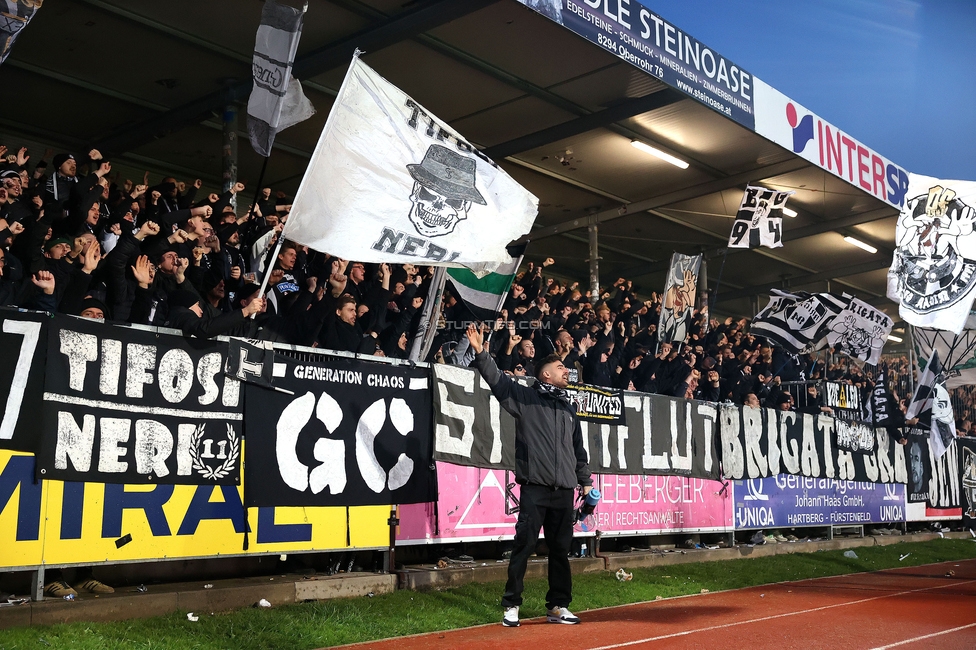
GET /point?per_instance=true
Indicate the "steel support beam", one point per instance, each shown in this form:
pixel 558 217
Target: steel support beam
pixel 788 235
pixel 397 28
pixel 600 119
pixel 757 289
pixel 677 196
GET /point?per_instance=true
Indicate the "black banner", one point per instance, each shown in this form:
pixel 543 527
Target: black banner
pixel 352 433
pixel 661 435
pixel 966 448
pixel 23 351
pixel 762 442
pixel 128 406
pixel 597 404
pixel 251 361
pixel 919 466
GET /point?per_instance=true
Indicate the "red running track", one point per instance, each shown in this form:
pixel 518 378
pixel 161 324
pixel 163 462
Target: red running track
pixel 910 608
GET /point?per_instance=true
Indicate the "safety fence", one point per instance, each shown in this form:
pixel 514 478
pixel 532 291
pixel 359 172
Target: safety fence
pixel 125 444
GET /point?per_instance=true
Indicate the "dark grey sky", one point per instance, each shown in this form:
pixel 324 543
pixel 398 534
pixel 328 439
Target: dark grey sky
pixel 899 75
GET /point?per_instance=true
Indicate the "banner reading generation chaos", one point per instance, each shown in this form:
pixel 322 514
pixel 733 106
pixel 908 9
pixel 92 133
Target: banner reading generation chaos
pixel 642 38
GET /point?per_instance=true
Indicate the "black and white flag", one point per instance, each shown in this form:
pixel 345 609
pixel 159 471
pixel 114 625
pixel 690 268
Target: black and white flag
pixel 390 182
pixel 251 361
pixel 14 17
pixel 759 221
pixel 679 298
pixel 277 101
pixel 800 321
pixel 933 273
pixel 860 331
pixel 932 406
pixel 349 433
pixel 881 404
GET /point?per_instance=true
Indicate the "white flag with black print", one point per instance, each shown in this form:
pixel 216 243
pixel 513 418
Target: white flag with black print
pixel 800 321
pixel 933 274
pixel 860 331
pixel 277 101
pixel 759 221
pixel 932 406
pixel 679 298
pixel 390 182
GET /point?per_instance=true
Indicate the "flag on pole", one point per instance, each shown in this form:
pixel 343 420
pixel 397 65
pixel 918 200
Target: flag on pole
pixel 798 321
pixel 679 298
pixel 860 331
pixel 932 406
pixel 13 19
pixel 881 405
pixel 485 296
pixel 390 182
pixel 277 101
pixel 759 221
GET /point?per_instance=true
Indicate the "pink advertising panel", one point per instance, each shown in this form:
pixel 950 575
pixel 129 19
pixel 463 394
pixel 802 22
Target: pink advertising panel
pixel 473 506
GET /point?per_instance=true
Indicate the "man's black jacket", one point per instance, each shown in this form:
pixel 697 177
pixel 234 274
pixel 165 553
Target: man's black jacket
pixel 548 438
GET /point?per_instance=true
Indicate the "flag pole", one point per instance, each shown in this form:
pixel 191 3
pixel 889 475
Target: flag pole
pixel 257 190
pixel 422 341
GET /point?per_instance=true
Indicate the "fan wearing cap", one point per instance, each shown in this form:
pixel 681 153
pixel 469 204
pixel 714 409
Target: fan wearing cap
pixel 550 462
pixel 58 187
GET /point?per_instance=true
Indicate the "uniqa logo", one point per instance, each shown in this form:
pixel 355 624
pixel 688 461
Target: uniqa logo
pixel 802 128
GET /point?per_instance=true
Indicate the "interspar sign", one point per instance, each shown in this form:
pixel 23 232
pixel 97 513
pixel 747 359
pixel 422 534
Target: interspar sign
pixel 806 134
pixel 637 35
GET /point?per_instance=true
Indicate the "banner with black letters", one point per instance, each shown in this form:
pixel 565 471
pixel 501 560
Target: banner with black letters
pixel 966 448
pixel 23 351
pixel 756 443
pixel 656 435
pixel 597 403
pixel 339 432
pixel 124 405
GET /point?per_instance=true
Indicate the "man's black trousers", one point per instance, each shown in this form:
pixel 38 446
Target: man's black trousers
pixel 552 510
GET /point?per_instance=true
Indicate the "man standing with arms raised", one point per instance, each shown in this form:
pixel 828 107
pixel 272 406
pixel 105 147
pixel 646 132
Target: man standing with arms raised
pixel 550 462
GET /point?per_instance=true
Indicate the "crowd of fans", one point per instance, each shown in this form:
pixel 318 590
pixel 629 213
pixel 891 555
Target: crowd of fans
pixel 76 238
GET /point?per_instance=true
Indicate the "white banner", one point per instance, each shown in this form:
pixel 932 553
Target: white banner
pixel 390 182
pixel 933 274
pixel 860 331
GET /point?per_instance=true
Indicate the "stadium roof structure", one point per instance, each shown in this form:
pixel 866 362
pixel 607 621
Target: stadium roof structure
pixel 557 105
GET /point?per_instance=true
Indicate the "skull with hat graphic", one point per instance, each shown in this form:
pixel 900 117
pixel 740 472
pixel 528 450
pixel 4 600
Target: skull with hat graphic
pixel 443 191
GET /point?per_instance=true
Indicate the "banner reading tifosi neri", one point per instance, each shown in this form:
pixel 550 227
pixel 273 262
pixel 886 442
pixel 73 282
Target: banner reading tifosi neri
pixel 128 406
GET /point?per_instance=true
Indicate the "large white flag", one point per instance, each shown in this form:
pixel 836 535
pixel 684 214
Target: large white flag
pixel 277 101
pixel 933 274
pixel 390 182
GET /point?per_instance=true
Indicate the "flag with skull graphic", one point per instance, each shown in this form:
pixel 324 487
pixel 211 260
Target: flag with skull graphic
pixel 390 182
pixel 933 273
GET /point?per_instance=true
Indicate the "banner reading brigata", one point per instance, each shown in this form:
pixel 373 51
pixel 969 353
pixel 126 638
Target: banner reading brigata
pixel 345 432
pixel 787 501
pixel 642 38
pixel 757 443
pixel 124 405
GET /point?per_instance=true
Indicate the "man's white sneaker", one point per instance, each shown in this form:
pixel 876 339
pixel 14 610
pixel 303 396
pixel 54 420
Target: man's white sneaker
pixel 511 619
pixel 561 615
